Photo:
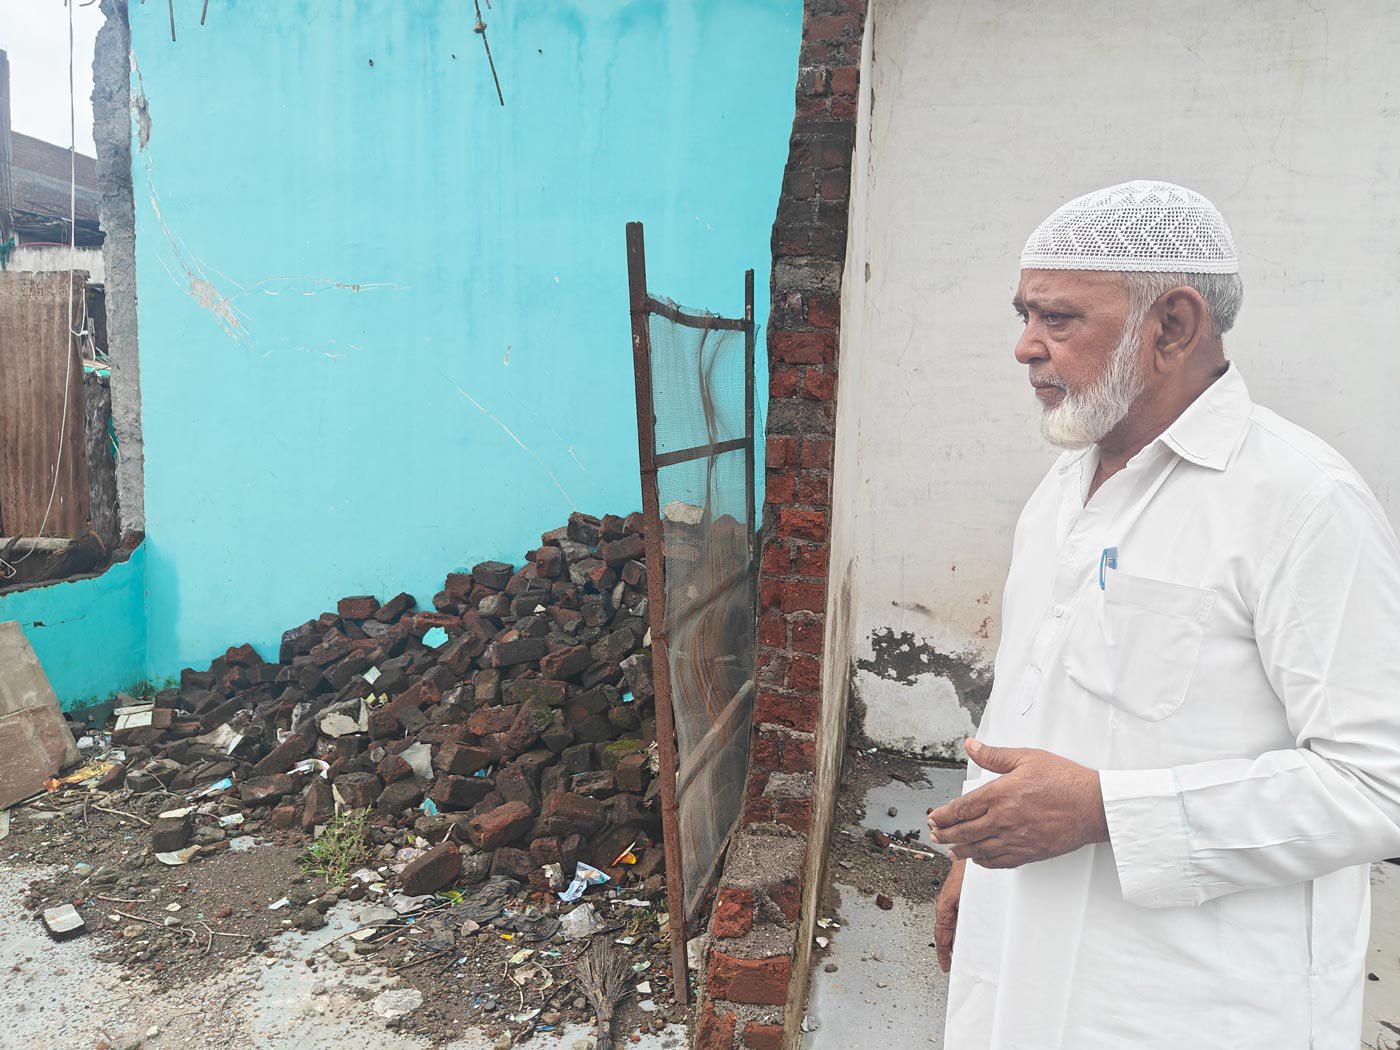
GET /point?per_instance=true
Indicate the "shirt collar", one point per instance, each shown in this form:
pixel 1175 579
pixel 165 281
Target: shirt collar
pixel 1211 428
pixel 1206 434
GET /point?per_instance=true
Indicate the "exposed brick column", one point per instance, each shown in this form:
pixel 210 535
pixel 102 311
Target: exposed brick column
pixel 750 977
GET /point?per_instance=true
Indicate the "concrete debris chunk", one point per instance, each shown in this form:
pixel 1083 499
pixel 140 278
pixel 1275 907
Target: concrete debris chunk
pixel 396 1002
pixel 64 922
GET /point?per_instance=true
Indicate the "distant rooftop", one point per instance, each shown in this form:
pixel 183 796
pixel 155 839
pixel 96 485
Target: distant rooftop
pixel 40 175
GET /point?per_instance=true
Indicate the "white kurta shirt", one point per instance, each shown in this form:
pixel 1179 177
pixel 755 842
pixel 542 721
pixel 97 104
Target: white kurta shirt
pixel 1236 678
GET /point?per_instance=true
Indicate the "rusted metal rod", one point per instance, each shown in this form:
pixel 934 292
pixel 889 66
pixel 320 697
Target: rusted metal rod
pixel 656 602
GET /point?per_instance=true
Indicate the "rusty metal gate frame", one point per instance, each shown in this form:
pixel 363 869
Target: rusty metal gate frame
pixel 674 781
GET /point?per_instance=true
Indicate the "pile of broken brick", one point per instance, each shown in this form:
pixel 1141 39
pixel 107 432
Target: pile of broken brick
pixel 511 726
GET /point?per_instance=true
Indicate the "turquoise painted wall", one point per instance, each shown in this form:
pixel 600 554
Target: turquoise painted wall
pixel 89 635
pixel 383 320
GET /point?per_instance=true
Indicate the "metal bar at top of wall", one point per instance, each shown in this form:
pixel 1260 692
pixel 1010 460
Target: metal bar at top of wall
pixel 656 604
pixel 680 317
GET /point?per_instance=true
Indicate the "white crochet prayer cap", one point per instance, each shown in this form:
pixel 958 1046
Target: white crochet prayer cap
pixel 1155 227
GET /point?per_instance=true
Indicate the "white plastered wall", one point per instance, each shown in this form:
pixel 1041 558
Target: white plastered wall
pixel 985 117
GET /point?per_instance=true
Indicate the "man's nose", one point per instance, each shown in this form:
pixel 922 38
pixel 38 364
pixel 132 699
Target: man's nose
pixel 1030 348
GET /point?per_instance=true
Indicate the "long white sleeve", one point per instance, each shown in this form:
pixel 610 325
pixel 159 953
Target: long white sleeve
pixel 1327 625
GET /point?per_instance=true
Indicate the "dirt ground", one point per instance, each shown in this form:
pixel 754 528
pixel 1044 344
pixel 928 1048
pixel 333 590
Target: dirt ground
pixel 863 858
pixel 182 928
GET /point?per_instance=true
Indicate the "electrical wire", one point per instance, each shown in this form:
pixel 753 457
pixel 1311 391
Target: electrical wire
pixel 71 332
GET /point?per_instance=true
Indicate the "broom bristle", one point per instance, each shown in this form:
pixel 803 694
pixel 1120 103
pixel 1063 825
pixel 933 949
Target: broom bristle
pixel 603 976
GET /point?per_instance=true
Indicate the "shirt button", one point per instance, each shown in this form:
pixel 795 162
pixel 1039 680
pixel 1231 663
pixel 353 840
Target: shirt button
pixel 1059 611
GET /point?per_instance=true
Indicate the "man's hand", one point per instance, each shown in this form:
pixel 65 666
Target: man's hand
pixel 945 915
pixel 1041 807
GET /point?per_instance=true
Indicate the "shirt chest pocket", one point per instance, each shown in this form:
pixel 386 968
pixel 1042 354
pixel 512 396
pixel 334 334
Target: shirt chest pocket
pixel 1134 644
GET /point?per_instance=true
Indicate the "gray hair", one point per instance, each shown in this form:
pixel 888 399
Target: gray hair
pixel 1223 293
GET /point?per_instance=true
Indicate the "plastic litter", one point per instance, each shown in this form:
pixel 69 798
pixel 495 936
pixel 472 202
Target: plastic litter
pixel 489 900
pixel 532 926
pixel 404 904
pixel 585 875
pixel 313 765
pixel 214 788
pixel 177 857
pixel 434 638
pixel 88 772
pixel 420 758
pixel 581 922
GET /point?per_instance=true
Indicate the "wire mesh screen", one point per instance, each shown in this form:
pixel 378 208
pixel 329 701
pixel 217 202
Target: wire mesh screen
pixel 700 387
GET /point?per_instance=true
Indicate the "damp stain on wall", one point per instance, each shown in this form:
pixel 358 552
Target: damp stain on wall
pixel 905 658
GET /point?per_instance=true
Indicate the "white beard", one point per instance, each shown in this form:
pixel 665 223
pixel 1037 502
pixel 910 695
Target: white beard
pixel 1083 419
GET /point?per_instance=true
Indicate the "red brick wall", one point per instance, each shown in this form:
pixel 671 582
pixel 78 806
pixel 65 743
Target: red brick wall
pixel 749 974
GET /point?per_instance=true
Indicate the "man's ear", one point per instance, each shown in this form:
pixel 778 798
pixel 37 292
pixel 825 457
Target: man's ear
pixel 1185 325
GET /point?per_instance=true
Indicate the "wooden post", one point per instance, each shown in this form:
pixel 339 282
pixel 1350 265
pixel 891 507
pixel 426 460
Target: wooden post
pixel 656 604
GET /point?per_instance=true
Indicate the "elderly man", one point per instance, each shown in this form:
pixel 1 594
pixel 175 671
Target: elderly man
pixel 1192 752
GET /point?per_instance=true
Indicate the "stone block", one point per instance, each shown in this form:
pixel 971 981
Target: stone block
pixel 359 607
pixel 452 792
pixel 500 826
pixel 432 871
pixel 493 574
pixel 357 790
pixel 261 791
pixel 400 796
pixel 760 982
pixel 565 814
pixel 461 760
pixel 169 834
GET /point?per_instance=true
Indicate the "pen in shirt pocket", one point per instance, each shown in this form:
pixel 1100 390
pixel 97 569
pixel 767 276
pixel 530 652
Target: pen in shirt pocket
pixel 1107 560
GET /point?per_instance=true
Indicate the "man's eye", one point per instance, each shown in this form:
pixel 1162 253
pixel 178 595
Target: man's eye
pixel 1054 320
pixel 1023 316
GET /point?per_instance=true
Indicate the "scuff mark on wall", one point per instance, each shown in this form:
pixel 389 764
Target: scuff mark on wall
pixel 905 659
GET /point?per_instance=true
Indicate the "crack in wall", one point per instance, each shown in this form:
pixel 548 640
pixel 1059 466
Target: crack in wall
pixel 189 271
